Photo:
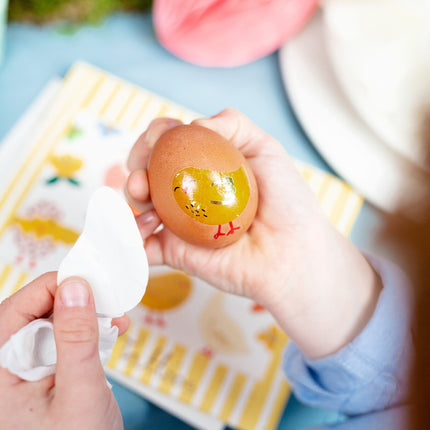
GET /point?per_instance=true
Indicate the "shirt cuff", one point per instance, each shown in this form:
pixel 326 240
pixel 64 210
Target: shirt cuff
pixel 372 372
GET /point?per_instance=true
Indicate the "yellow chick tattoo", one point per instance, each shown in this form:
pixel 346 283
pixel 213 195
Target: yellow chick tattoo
pixel 210 197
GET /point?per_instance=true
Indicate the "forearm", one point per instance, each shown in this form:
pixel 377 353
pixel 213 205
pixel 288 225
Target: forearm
pixel 330 299
pixel 372 372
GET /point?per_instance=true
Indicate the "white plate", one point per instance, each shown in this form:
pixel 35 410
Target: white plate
pixel 379 173
pixel 379 51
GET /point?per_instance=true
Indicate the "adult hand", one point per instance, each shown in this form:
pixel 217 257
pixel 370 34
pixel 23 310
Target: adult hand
pixel 292 261
pixel 77 396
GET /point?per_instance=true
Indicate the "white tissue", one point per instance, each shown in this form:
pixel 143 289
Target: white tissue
pixel 109 254
pixel 31 354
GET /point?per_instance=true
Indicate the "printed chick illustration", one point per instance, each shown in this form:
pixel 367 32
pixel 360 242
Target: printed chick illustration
pixel 164 293
pixel 211 197
pixel 219 330
pixel 38 232
pixel 273 338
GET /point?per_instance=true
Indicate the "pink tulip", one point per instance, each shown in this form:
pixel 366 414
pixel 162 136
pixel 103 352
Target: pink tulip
pixel 228 32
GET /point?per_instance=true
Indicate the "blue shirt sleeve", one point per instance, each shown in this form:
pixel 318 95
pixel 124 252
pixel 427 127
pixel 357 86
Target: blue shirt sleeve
pixel 372 372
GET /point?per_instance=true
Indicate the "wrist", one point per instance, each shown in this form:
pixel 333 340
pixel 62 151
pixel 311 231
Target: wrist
pixel 329 295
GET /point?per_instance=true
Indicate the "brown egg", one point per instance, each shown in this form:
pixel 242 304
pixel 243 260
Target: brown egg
pixel 202 186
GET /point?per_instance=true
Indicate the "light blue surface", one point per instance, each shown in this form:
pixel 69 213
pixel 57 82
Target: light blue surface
pixel 3 11
pixel 125 45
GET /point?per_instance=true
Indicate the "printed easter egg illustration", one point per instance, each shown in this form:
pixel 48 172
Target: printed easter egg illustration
pixel 202 186
pixel 165 292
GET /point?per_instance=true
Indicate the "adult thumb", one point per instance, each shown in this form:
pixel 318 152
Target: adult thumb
pixel 79 370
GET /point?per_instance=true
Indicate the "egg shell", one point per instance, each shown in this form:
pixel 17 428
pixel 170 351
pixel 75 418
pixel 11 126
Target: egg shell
pixel 198 147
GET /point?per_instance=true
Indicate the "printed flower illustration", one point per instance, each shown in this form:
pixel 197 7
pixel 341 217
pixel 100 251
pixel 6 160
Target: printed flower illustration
pixel 107 130
pixel 66 167
pixel 74 133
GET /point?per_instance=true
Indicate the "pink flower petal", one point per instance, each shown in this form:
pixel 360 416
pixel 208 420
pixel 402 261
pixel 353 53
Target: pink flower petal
pixel 116 177
pixel 228 32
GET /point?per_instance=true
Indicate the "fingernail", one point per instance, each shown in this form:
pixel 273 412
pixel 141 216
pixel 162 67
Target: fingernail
pixel 146 217
pixel 165 124
pixel 147 139
pixel 136 212
pixel 74 294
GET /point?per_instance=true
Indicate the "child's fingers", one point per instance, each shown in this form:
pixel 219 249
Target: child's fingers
pixel 154 249
pixel 137 190
pixel 157 244
pixel 158 127
pixel 147 223
pixel 241 132
pixel 274 170
pixel 31 302
pixel 139 154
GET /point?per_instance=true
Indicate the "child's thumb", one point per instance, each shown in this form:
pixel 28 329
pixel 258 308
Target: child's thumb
pixel 76 337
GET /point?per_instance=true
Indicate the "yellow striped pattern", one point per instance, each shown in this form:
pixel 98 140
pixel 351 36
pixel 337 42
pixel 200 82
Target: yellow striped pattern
pixel 118 350
pixel 232 397
pixel 4 275
pixel 171 369
pixel 19 282
pixel 278 406
pixel 344 204
pixel 261 390
pixel 214 388
pixel 136 351
pixel 168 361
pixel 11 280
pixel 195 374
pixel 153 363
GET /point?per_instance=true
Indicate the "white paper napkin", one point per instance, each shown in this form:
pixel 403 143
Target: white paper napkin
pixel 110 255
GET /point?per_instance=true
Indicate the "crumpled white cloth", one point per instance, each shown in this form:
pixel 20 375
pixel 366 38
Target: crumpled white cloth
pixel 31 354
pixel 110 255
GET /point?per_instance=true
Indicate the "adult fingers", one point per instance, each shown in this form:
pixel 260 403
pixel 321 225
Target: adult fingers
pixel 139 154
pixel 31 302
pixel 79 370
pixel 122 323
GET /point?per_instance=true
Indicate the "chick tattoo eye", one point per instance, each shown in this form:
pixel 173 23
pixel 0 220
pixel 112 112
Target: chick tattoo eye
pixel 176 188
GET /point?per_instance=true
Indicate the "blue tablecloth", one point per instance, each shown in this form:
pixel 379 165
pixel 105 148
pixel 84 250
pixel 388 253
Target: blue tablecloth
pixel 126 46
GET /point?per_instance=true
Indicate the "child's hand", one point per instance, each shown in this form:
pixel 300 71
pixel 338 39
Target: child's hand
pixel 286 208
pixel 77 397
pixel 291 260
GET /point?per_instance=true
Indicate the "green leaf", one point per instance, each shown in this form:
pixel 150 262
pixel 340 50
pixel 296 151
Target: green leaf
pixel 74 132
pixel 52 180
pixel 74 181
